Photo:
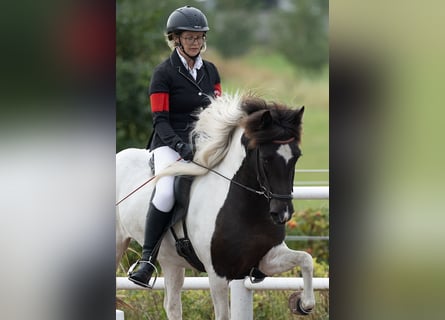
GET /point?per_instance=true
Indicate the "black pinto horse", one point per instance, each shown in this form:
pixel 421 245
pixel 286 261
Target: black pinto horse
pixel 240 200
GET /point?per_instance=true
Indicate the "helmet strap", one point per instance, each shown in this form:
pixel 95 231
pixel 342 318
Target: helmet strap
pixel 181 47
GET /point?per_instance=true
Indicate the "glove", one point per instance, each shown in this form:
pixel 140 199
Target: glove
pixel 184 150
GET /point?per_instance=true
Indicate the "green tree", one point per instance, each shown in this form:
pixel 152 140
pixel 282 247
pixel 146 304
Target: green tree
pixel 232 32
pixel 245 4
pixel 302 34
pixel 140 45
pixel 298 30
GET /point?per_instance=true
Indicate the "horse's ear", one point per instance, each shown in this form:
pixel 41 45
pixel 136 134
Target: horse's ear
pixel 266 119
pixel 244 140
pixel 299 115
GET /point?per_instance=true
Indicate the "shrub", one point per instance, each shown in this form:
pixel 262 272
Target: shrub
pixel 310 222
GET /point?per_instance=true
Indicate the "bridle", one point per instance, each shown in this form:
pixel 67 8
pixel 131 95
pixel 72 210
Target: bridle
pixel 261 177
pixel 265 187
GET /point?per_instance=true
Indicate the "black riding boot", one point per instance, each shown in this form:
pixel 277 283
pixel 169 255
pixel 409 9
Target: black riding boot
pixel 155 225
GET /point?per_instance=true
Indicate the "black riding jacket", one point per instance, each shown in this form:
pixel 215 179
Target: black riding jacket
pixel 175 98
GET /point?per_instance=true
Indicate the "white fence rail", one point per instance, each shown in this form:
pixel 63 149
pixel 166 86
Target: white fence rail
pixel 202 283
pixel 241 291
pixel 310 193
pixel 241 297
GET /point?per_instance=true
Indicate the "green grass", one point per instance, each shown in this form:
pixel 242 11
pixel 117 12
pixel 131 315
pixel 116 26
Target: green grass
pixel 197 305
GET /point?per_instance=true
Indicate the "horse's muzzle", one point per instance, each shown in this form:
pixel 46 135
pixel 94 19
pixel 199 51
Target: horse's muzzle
pixel 281 211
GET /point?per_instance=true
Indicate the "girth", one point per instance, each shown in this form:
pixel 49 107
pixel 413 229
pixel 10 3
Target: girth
pixel 185 249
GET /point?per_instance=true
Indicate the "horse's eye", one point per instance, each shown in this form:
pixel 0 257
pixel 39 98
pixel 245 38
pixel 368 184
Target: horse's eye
pixel 266 160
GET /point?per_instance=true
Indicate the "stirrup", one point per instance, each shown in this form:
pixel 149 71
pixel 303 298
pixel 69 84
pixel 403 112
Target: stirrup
pixel 146 285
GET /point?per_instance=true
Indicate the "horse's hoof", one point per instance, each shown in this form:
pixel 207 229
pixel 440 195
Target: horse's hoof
pixel 295 304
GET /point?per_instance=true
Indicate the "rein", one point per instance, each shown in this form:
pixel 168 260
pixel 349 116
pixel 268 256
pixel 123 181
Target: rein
pixel 233 181
pixel 265 191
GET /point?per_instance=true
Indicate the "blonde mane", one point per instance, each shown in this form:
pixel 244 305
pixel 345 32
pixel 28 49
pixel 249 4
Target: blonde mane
pixel 212 135
pixel 213 131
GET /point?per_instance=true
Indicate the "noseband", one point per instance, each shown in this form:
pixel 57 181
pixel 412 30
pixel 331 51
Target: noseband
pixel 262 178
pixel 265 187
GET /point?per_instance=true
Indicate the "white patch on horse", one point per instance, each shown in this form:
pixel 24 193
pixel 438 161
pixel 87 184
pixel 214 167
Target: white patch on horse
pixel 212 195
pixel 286 152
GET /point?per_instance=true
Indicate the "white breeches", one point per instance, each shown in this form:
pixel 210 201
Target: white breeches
pixel 164 198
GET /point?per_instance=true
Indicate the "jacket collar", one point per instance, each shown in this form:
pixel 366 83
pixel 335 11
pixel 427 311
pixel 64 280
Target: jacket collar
pixel 176 62
pixel 198 61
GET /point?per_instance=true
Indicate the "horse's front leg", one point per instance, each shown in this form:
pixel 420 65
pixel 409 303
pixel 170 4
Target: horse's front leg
pixel 219 289
pixel 173 281
pixel 281 259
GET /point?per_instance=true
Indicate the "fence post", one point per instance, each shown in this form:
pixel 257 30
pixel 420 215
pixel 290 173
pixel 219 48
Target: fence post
pixel 119 315
pixel 241 301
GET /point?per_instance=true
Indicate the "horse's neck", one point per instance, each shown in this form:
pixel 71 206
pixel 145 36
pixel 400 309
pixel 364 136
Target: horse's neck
pixel 233 160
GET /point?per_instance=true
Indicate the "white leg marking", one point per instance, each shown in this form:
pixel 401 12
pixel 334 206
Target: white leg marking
pixel 281 258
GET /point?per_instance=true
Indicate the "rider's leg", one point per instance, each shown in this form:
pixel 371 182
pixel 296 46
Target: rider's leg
pixel 158 217
pixel 155 224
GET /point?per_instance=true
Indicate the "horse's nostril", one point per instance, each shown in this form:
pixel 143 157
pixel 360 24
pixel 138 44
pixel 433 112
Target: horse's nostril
pixel 278 218
pixel 275 214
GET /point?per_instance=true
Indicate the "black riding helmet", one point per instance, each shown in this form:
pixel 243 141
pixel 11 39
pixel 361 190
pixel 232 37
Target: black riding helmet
pixel 187 19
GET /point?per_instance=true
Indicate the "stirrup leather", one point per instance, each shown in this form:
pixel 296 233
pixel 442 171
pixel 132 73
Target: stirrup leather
pixel 155 272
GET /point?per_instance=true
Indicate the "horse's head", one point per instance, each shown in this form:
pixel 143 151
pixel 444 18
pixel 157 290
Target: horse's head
pixel 272 136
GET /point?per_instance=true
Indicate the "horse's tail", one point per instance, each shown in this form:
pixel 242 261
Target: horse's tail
pixel 182 168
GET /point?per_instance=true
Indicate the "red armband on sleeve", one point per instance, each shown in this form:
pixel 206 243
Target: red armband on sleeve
pixel 217 91
pixel 159 102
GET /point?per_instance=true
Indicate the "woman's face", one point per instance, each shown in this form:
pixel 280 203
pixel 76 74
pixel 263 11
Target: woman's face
pixel 192 42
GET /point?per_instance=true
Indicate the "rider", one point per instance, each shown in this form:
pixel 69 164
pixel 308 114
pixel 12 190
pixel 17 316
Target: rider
pixel 180 87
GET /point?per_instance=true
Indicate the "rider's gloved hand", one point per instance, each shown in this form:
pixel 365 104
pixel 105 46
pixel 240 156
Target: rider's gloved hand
pixel 184 150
